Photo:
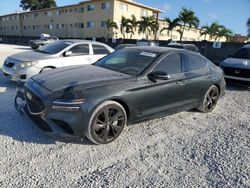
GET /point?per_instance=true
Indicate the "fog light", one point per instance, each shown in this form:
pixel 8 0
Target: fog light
pixel 66 108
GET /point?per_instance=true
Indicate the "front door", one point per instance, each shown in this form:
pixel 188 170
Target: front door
pixel 163 95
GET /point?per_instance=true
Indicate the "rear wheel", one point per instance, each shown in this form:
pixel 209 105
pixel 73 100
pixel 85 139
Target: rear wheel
pixel 210 100
pixel 106 123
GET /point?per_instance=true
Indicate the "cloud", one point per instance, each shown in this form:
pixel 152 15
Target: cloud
pixel 166 7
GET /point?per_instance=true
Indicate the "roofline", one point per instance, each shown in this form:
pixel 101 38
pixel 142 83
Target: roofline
pixel 40 10
pixel 155 10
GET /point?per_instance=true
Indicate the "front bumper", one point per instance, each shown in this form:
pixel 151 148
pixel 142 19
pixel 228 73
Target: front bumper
pixel 20 74
pixel 57 124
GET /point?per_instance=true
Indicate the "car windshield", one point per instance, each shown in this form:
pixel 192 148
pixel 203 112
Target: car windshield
pixel 243 53
pixel 54 47
pixel 128 61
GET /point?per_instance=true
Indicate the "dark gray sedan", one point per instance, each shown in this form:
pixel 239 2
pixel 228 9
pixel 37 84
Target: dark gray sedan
pixel 131 85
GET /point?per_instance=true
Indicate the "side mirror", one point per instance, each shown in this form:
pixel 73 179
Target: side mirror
pixel 68 53
pixel 158 75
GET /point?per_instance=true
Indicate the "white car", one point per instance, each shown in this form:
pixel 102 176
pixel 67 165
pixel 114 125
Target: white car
pixel 22 66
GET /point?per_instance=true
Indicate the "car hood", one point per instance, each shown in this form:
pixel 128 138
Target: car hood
pixel 236 63
pixel 30 56
pixel 83 77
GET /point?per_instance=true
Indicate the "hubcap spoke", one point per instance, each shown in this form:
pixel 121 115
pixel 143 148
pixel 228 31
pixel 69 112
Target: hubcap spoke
pixel 99 126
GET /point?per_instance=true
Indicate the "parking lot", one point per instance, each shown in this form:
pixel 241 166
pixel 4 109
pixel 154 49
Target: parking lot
pixel 188 149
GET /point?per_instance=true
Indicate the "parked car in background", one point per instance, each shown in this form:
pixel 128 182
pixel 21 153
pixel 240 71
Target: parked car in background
pixel 120 46
pixel 237 66
pixel 22 66
pixel 190 47
pixel 128 86
pixel 45 39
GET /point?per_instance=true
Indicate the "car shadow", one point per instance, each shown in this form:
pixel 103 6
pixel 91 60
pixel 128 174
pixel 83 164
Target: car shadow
pixel 237 87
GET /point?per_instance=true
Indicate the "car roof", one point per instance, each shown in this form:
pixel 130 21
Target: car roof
pixel 82 41
pixel 155 49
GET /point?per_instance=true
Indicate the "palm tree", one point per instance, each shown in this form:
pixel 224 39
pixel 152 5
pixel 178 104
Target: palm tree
pixel 133 23
pixel 110 25
pixel 248 25
pixel 187 18
pixel 223 32
pixel 145 25
pixel 211 30
pixel 124 26
pixel 171 25
pixel 155 28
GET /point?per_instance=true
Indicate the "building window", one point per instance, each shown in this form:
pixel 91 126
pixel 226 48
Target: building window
pixel 105 5
pixel 144 12
pixel 24 27
pixel 50 27
pixel 59 12
pixel 91 7
pixel 103 24
pixel 81 9
pixel 81 25
pixel 123 7
pixel 49 14
pixel 90 24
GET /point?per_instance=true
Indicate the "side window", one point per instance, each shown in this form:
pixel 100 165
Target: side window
pixel 82 49
pixel 193 63
pixel 99 50
pixel 170 64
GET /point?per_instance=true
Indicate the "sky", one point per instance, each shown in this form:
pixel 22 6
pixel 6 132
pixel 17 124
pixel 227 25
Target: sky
pixel 231 13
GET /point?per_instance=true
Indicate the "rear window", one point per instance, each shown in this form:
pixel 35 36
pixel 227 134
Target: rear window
pixel 243 53
pixel 193 63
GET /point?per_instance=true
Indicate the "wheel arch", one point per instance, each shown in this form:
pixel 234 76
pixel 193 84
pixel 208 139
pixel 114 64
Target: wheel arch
pixel 51 67
pixel 124 105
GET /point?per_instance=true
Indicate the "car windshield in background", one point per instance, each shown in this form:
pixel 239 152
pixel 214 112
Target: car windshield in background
pixel 243 53
pixel 128 61
pixel 54 47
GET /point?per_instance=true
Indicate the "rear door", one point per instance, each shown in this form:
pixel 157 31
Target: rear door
pixel 98 51
pixel 198 77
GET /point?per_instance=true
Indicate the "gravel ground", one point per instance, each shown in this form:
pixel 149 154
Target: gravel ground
pixel 188 149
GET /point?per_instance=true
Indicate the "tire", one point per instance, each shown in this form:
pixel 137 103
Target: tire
pixel 111 118
pixel 209 100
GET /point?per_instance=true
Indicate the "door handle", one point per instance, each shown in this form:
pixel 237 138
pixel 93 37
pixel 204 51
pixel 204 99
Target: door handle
pixel 180 82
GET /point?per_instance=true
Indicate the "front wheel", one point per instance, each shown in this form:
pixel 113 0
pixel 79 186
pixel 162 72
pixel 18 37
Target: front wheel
pixel 106 123
pixel 210 100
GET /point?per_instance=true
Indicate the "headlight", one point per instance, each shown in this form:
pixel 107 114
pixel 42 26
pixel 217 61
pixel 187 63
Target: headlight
pixel 25 64
pixel 68 103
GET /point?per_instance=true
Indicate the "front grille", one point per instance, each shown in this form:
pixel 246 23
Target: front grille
pixel 40 123
pixel 9 64
pixel 243 73
pixel 34 103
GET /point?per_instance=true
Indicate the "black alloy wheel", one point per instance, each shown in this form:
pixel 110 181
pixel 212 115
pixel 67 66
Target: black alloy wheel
pixel 210 100
pixel 107 123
